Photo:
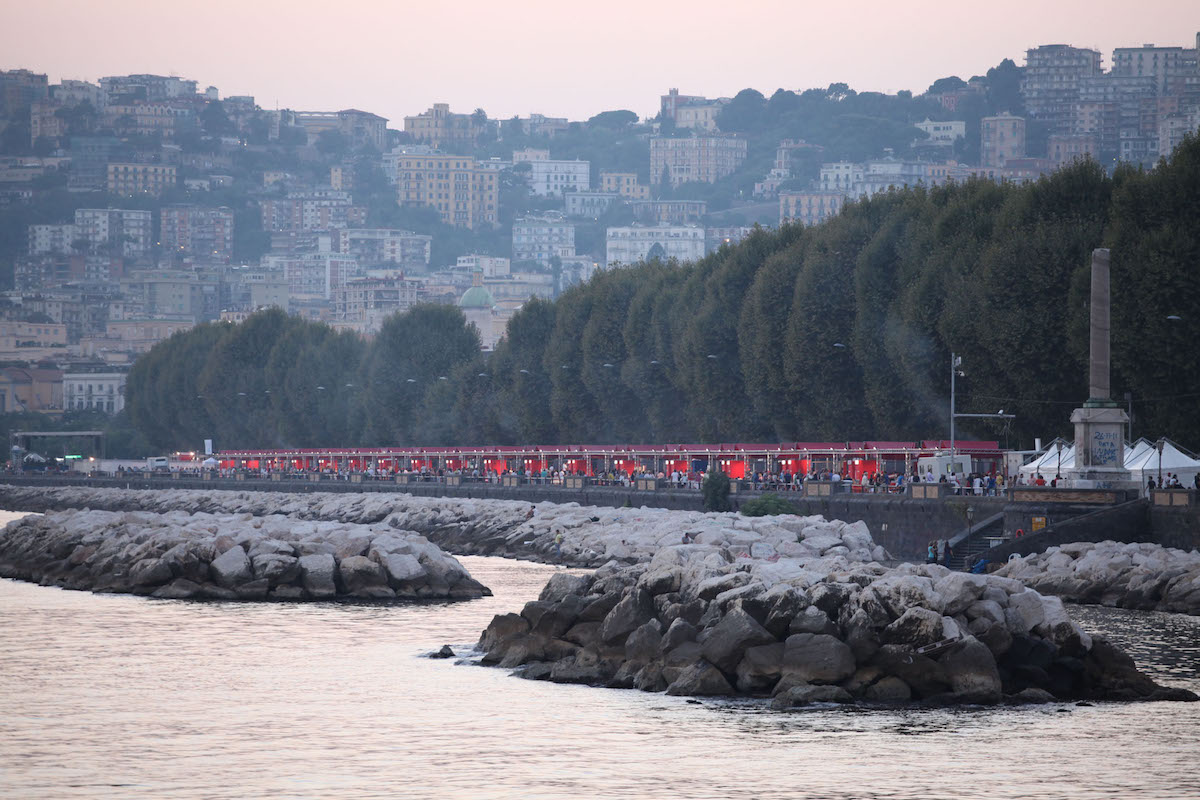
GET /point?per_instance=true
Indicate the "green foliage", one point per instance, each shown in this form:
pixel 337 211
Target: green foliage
pixel 767 506
pixel 842 331
pixel 715 488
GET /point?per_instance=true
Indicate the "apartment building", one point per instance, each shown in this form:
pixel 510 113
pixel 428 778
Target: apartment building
pixel 691 112
pixel 589 204
pixel 1050 86
pixel 360 128
pixel 462 192
pixel 1164 65
pixel 372 246
pixel 624 184
pixel 669 212
pixel 124 230
pixel 313 276
pixel 700 159
pixel 132 179
pixel 1002 138
pixel 365 302
pixel 629 245
pixel 1063 150
pixel 438 128
pixel 549 177
pixel 316 210
pixel 542 238
pixel 942 133
pixel 809 207
pixel 100 391
pixel 196 231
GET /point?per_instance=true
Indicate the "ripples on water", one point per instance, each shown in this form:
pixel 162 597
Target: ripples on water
pixel 116 696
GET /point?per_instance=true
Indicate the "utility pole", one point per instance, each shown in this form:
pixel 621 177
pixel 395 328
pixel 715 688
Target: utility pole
pixel 955 363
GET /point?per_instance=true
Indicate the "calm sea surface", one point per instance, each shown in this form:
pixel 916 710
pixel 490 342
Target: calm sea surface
pixel 116 696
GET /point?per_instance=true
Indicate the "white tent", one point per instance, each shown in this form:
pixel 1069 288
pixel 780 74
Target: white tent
pixel 1136 450
pixel 1171 459
pixel 209 462
pixel 1051 462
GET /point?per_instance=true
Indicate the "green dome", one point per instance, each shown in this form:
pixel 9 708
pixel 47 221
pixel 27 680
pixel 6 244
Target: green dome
pixel 476 297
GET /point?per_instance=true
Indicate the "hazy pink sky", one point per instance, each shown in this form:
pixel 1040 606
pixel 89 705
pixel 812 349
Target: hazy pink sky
pixel 557 58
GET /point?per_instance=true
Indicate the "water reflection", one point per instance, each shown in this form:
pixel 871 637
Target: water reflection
pixel 115 696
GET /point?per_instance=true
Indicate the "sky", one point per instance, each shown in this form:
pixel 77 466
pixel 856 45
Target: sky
pixel 556 57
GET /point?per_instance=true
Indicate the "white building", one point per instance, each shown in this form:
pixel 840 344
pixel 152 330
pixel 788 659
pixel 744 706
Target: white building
pixel 313 276
pixel 384 245
pixel 550 178
pixel 541 238
pixel 629 245
pixel 590 204
pixel 131 228
pixel 943 133
pixel 45 239
pixel 490 266
pixel 840 176
pixel 102 391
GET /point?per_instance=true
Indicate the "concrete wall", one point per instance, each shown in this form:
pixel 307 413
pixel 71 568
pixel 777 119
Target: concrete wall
pixel 1127 522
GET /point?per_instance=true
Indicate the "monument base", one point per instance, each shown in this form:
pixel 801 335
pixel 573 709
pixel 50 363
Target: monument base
pixel 1099 448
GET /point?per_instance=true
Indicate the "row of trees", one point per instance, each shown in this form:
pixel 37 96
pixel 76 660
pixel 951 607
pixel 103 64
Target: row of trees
pixel 840 331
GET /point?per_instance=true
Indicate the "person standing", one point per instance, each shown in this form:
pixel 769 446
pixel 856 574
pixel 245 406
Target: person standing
pixel 558 540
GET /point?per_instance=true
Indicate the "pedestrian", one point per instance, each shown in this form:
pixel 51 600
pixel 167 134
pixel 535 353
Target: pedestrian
pixel 558 540
pixel 931 553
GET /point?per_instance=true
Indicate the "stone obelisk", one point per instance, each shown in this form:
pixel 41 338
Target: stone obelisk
pixel 1100 423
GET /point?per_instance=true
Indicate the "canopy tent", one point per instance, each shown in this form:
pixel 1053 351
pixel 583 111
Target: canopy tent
pixel 1135 451
pixel 1171 459
pixel 1051 462
pixel 209 462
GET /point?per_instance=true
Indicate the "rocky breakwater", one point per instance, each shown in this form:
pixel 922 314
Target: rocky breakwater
pixel 592 535
pixel 697 621
pixel 1138 575
pixel 178 555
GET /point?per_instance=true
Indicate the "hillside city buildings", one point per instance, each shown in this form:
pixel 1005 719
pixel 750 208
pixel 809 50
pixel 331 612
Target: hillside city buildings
pixel 175 206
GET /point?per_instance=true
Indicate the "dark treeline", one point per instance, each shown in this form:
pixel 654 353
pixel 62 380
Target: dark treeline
pixel 837 332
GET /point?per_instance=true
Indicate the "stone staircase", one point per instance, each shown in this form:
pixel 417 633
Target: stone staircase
pixel 970 542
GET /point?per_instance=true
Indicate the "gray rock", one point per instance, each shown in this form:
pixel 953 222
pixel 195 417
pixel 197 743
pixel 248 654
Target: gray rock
pixel 972 671
pixel 718 584
pixel 288 593
pixel 812 620
pixel 803 695
pixel 502 629
pixel 662 580
pixel 888 689
pixel 178 589
pixel 783 604
pixel 598 607
pixel 729 639
pixel 916 627
pixel 256 589
pixel 316 575
pixel 150 572
pixel 360 574
pixel 1024 612
pixel 760 668
pixel 699 680
pixel 810 658
pixel 401 568
pixel 680 631
pixel 1032 696
pixel 642 645
pixel 988 609
pixel 276 568
pixel 562 584
pixel 231 568
pixel 959 590
pixel 923 675
pixel 634 609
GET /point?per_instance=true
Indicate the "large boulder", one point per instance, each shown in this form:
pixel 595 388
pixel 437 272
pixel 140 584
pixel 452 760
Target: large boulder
pixel 698 680
pixel 728 640
pixel 316 575
pixel 804 694
pixel 972 671
pixel 642 646
pixel 562 584
pixel 634 609
pixel 400 569
pixel 361 576
pixel 232 568
pixel 760 668
pixel 815 658
pixel 276 568
pixel 959 590
pixel 916 627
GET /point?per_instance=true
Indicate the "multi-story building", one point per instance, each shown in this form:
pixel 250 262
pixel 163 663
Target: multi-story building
pixel 129 232
pixel 125 339
pixel 316 210
pixel 1063 150
pixel 148 119
pixel 542 238
pixel 841 176
pixel 625 184
pixel 44 121
pixel 541 125
pixel 589 204
pixel 361 128
pixel 811 207
pixel 72 93
pixel 90 157
pixel 31 341
pixel 313 276
pixel 44 239
pixel 131 179
pixel 629 245
pixel 192 296
pixel 462 192
pixel 146 87
pixel 943 133
pixel 365 302
pixel 19 89
pixel 716 238
pixel 549 177
pixel 30 389
pixel 100 391
pixel 1163 64
pixel 452 133
pixel 701 159
pixel 489 266
pixel 1172 129
pixel 197 231
pixel 1050 86
pixel 690 111
pixel 374 246
pixel 1002 138
pixel 668 212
